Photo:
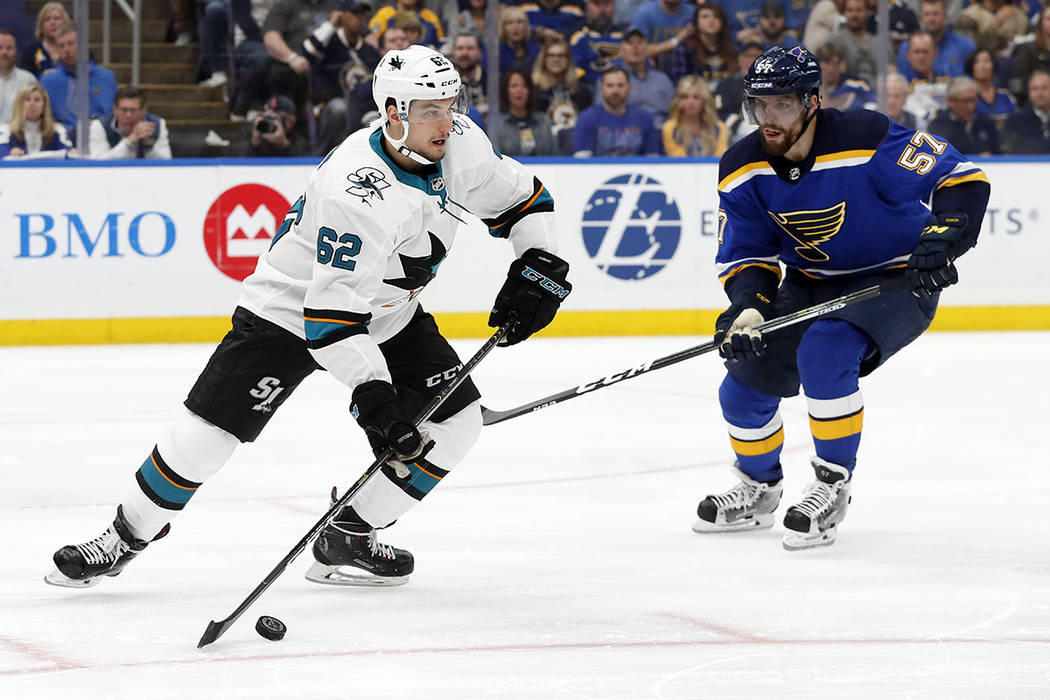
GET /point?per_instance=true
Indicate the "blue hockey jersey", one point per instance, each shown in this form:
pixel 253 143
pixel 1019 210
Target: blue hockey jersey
pixel 856 204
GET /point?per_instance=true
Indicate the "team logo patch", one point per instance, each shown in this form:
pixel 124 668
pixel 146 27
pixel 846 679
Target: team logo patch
pixel 631 226
pixel 240 225
pixel 367 183
pixel 812 228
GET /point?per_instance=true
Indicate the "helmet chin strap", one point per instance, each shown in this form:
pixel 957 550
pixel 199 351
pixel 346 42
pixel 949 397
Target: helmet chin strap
pixel 805 125
pixel 399 144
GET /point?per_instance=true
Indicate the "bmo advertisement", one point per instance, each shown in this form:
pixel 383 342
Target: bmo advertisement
pixel 133 253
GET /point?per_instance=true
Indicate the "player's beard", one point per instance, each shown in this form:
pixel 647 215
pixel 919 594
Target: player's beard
pixel 788 137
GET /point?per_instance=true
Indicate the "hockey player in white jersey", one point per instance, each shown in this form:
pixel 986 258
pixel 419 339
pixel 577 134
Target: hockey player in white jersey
pixel 338 290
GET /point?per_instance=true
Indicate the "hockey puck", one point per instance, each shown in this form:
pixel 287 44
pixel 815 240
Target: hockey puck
pixel 271 628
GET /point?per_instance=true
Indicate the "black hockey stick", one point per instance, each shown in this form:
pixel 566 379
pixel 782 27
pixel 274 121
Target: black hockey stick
pixel 491 417
pixel 217 629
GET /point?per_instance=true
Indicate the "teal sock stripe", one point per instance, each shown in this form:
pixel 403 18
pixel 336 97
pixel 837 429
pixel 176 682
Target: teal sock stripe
pixel 162 485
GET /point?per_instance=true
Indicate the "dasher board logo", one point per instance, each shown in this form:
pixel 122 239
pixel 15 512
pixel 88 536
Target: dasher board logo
pixel 240 225
pixel 631 226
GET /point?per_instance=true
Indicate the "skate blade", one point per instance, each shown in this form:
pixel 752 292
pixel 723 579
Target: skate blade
pixel 798 541
pixel 349 576
pixel 759 522
pixel 57 578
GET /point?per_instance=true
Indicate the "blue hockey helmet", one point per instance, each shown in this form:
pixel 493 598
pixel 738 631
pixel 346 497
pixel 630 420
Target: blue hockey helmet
pixel 780 71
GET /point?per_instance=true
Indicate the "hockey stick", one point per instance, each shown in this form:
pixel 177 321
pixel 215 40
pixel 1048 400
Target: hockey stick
pixel 491 417
pixel 217 629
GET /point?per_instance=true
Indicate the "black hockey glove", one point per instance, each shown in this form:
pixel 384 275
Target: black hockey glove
pixel 931 266
pixel 735 332
pixel 385 421
pixel 534 289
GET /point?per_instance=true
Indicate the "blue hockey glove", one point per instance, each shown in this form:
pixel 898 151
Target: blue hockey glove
pixel 735 332
pixel 386 423
pixel 931 266
pixel 534 290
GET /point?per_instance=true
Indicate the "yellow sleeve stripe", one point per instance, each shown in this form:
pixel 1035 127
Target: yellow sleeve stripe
pixel 740 172
pixel 843 155
pixel 767 266
pixel 971 177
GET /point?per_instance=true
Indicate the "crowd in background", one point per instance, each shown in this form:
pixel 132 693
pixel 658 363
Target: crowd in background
pixel 584 78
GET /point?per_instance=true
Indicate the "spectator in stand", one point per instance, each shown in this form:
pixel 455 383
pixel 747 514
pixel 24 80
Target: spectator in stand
pixel 1027 132
pixel 825 18
pixel 361 107
pixel 32 130
pixel 433 34
pixel 971 133
pixel 952 48
pixel 651 89
pixel 708 52
pixel 61 82
pixel 903 22
pixel 340 61
pixel 693 127
pixel 896 96
pixel 411 24
pixel 273 133
pixel 12 79
pixel 597 43
pixel 1031 56
pixel 992 100
pixel 858 45
pixel 516 49
pixel 40 57
pixel 992 24
pixel 553 18
pixel 250 57
pixel 466 56
pixel 215 28
pixel 523 131
pixel 729 93
pixel 556 86
pixel 928 89
pixel 665 24
pixel 839 91
pixel 611 127
pixel 130 131
pixel 287 25
pixel 469 20
pixel 772 27
pixel 394 39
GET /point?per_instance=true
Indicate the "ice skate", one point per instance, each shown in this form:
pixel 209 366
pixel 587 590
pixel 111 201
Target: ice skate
pixel 813 521
pixel 347 553
pixel 84 565
pixel 747 506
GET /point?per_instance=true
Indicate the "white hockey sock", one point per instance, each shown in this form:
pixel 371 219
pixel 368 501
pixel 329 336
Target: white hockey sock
pixel 382 501
pixel 183 459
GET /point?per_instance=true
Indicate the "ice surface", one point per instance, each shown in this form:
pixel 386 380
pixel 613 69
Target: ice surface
pixel 557 561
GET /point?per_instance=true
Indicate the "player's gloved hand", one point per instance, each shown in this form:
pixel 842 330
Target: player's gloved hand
pixel 735 332
pixel 931 266
pixel 534 289
pixel 387 424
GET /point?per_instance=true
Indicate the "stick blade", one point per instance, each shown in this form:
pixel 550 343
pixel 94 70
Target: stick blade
pixel 213 632
pixel 490 417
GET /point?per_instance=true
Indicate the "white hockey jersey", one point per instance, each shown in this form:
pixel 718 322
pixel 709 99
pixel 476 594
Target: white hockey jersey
pixel 347 262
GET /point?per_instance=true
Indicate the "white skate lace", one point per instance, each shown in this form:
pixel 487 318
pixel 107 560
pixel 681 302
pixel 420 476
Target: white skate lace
pixel 740 495
pixel 817 498
pixel 107 547
pixel 378 548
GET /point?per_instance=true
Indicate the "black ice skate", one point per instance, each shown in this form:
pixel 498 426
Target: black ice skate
pixel 349 554
pixel 747 506
pixel 813 522
pixel 84 565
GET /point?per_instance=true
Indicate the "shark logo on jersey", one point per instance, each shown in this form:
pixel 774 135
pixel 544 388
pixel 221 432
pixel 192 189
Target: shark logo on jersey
pixel 419 271
pixel 367 183
pixel 631 226
pixel 812 228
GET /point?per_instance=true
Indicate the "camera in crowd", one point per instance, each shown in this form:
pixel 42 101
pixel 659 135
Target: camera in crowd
pixel 268 124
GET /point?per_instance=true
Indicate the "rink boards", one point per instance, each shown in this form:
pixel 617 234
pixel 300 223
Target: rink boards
pixel 154 253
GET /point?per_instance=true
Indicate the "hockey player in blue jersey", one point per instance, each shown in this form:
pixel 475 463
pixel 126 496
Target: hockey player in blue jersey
pixel 815 204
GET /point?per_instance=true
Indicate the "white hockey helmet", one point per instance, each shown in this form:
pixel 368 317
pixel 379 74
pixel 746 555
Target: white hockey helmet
pixel 415 73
